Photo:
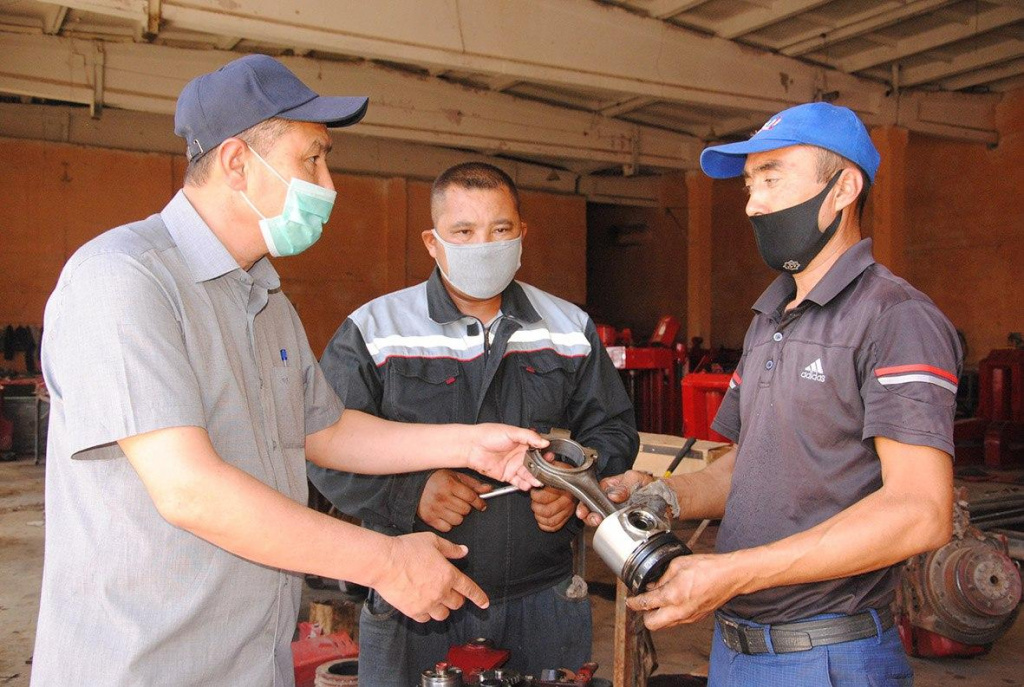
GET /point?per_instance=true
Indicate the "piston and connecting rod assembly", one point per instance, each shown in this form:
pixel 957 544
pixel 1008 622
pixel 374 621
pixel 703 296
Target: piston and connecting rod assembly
pixel 634 540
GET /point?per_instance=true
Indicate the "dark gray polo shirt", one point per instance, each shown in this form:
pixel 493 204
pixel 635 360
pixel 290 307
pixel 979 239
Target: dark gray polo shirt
pixel 154 325
pixel 864 355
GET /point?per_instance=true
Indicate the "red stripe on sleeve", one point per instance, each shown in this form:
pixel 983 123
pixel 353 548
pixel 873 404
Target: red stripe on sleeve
pixel 736 378
pixel 900 369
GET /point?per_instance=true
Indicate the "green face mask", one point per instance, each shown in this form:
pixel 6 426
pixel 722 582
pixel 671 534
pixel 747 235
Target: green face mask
pixel 307 207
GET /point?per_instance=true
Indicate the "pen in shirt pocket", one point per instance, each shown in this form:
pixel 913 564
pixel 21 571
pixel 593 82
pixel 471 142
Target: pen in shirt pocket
pixel 284 356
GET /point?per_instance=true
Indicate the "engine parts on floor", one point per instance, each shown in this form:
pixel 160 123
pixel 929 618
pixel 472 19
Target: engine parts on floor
pixel 447 675
pixel 343 672
pixel 959 599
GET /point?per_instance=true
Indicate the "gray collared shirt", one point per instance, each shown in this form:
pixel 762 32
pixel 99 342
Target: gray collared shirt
pixel 154 325
pixel 864 355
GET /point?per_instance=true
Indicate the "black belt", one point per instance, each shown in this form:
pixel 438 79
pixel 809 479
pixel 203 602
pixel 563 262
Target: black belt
pixel 800 636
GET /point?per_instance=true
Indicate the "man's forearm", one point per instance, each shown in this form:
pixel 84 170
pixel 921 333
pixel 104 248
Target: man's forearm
pixel 362 443
pixel 255 522
pixel 874 533
pixel 197 491
pixel 366 444
pixel 702 494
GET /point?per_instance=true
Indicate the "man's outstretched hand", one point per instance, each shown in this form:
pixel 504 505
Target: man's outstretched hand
pixel 498 452
pixel 418 580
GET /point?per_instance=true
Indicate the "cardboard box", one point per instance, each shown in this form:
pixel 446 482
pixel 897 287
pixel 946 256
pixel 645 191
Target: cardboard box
pixel 658 450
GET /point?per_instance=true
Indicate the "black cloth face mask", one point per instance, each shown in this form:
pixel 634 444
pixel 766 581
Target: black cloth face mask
pixel 789 239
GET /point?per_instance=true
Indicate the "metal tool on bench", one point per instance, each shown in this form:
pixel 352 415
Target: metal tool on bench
pixel 635 541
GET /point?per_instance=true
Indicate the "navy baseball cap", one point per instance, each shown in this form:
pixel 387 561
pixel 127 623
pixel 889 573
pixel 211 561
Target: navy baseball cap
pixel 817 124
pixel 216 106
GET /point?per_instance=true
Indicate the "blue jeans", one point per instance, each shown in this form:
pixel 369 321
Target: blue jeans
pixel 874 661
pixel 545 629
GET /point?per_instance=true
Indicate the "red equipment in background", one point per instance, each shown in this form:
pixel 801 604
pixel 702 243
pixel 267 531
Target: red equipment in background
pixel 656 379
pixel 996 435
pixel 651 374
pixel 315 649
pixel 702 394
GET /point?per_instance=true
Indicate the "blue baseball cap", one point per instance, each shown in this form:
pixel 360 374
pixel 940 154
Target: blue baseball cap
pixel 244 92
pixel 816 124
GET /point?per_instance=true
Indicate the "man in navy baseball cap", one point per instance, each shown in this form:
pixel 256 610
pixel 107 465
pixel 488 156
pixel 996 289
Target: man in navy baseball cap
pixel 841 408
pixel 250 90
pixel 181 376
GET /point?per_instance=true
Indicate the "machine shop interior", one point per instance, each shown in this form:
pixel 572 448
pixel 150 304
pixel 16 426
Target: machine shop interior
pixel 599 111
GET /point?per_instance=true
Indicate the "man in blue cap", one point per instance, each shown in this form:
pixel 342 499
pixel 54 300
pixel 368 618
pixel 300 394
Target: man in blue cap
pixel 185 403
pixel 842 412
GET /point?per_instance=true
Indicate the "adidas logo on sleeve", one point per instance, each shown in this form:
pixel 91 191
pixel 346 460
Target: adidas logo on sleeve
pixel 814 371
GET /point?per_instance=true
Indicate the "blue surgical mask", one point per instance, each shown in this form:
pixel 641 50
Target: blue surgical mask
pixel 307 207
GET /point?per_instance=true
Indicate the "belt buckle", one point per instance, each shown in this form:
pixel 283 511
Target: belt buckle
pixel 733 634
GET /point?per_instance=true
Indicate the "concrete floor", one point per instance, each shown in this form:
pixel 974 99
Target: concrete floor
pixel 681 650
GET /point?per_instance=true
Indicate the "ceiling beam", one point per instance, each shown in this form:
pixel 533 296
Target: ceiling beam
pixel 627 106
pixel 352 154
pixel 755 19
pixel 54 20
pixel 933 38
pixel 29 25
pixel 502 83
pixel 877 16
pixel 1011 84
pixel 665 9
pixel 148 78
pixel 639 191
pixel 960 116
pixel 984 76
pixel 969 61
pixel 560 43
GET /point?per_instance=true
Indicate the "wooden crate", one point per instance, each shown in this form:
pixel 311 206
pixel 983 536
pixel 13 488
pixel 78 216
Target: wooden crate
pixel 658 450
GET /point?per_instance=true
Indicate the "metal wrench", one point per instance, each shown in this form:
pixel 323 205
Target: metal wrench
pixel 580 481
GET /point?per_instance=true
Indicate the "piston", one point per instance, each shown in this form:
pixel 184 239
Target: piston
pixel 635 541
pixel 441 675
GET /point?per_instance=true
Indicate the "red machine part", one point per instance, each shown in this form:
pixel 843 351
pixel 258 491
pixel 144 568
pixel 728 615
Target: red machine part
pixel 311 652
pixel 702 394
pixel 996 435
pixel 479 661
pixel 476 656
pixel 959 599
pixel 650 376
pixel 665 332
pixel 608 334
pixel 918 641
pixel 567 678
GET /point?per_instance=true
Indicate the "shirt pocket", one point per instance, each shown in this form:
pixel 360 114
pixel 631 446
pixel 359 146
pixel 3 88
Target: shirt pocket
pixel 422 390
pixel 288 392
pixel 547 387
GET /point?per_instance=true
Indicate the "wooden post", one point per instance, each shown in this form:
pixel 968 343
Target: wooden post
pixel 397 234
pixel 625 643
pixel 889 199
pixel 633 652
